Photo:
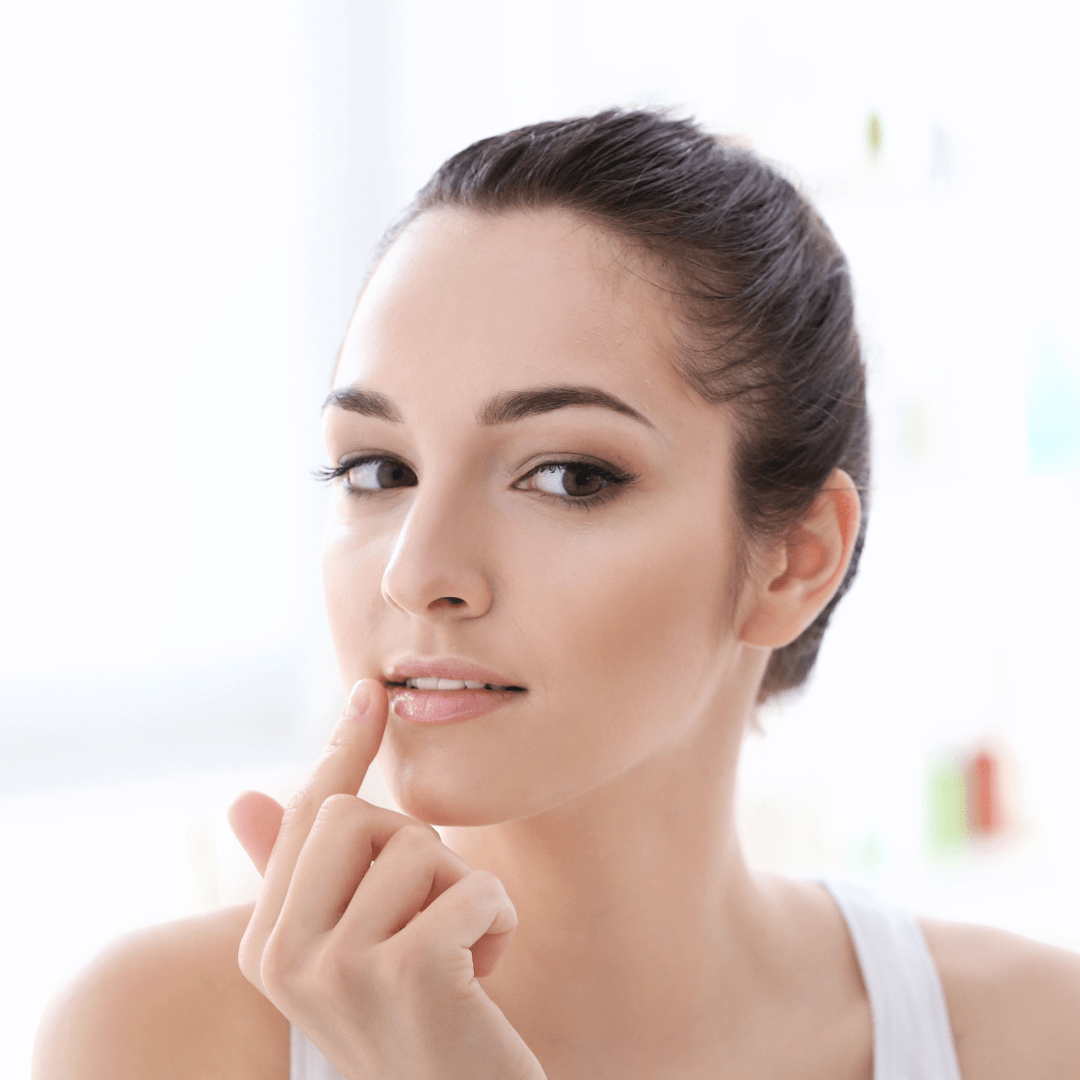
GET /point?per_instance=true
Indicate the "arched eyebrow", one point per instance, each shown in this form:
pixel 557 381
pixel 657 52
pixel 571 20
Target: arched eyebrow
pixel 503 408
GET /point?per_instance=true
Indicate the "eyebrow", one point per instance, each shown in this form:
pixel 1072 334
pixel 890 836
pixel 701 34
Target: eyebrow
pixel 503 408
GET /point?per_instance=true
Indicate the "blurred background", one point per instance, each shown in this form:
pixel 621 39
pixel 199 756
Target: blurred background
pixel 188 202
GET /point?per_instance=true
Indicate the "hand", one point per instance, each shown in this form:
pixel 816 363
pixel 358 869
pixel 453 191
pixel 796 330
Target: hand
pixel 369 933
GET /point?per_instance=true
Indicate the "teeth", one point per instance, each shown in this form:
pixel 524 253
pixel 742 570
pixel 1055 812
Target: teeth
pixel 449 684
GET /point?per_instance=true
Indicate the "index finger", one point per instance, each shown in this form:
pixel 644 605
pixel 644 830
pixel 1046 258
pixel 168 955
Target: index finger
pixel 341 770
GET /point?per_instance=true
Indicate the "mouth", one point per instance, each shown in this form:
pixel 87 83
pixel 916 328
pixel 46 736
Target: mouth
pixel 425 690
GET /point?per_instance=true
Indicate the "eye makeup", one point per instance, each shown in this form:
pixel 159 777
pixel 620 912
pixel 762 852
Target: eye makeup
pixel 386 473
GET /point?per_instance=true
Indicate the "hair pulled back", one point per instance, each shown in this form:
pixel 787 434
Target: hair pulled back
pixel 764 289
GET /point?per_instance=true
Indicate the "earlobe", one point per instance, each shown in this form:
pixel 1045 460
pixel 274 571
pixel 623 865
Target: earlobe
pixel 808 565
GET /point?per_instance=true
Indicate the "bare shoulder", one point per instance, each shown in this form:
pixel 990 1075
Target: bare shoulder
pixel 169 1002
pixel 1014 1003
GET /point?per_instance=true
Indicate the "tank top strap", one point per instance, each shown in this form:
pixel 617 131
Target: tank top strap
pixel 912 1035
pixel 306 1061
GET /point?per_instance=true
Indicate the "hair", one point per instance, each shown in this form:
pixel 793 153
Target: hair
pixel 763 288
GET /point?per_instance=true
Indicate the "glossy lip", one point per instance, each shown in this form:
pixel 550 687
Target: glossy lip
pixel 446 706
pixel 448 667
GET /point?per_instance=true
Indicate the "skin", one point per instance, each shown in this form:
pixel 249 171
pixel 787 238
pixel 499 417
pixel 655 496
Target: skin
pixel 588 912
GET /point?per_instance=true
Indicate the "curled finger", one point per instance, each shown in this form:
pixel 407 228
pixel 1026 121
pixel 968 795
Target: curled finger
pixel 346 835
pixel 475 913
pixel 413 868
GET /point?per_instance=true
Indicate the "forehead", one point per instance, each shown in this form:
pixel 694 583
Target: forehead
pixel 523 299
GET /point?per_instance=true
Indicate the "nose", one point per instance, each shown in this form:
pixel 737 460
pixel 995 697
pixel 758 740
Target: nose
pixel 436 570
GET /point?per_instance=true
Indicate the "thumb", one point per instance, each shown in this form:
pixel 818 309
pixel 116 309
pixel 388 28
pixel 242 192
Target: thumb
pixel 255 819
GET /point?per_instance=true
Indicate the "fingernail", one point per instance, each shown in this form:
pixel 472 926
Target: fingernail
pixel 359 701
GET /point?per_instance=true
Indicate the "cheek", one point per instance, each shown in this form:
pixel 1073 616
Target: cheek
pixel 635 621
pixel 352 575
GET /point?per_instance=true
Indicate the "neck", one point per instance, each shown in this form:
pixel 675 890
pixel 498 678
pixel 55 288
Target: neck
pixel 635 907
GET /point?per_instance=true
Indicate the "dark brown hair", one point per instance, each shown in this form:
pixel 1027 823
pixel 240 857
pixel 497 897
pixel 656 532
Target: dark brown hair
pixel 764 287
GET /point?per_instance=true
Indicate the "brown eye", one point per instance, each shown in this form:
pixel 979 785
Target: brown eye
pixel 378 474
pixel 579 480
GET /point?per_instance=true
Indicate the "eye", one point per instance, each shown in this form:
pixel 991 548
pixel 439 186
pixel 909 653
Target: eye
pixel 582 484
pixel 370 474
pixel 377 474
pixel 575 478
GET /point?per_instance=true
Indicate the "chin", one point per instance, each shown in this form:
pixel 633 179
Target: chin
pixel 439 797
pixel 447 807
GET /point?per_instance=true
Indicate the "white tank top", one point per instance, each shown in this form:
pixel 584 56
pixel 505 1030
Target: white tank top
pixel 912 1036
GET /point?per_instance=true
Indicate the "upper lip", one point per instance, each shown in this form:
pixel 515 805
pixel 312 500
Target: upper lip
pixel 448 667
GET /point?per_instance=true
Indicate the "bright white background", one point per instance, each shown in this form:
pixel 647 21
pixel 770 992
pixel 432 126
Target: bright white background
pixel 189 196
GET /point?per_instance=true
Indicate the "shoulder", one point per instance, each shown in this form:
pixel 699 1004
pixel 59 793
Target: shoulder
pixel 170 1002
pixel 1014 1004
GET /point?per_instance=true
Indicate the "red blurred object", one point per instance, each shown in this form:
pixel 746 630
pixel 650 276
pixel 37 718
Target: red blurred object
pixel 984 795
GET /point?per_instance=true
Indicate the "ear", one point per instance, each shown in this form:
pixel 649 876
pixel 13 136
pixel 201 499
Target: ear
pixel 806 566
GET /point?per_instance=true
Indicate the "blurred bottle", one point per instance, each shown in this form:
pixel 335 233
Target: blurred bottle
pixel 947 828
pixel 969 798
pixel 984 795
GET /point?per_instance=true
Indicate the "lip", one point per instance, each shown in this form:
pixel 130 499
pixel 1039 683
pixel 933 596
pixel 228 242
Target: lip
pixel 446 706
pixel 445 667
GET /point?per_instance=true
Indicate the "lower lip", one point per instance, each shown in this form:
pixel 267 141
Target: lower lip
pixel 446 706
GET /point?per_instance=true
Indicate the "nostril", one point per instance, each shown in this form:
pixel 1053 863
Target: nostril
pixel 455 600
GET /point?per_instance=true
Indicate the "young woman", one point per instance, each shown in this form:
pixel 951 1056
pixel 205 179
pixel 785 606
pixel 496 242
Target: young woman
pixel 599 440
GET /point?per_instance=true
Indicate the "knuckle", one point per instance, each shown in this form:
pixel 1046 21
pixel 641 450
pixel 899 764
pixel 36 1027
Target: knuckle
pixel 418 834
pixel 487 884
pixel 301 807
pixel 279 969
pixel 338 806
pixel 249 958
pixel 401 820
pixel 333 968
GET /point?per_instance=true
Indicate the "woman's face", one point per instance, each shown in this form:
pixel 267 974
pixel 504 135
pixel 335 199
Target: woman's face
pixel 583 552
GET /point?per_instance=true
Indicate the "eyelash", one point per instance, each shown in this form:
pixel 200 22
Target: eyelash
pixel 615 479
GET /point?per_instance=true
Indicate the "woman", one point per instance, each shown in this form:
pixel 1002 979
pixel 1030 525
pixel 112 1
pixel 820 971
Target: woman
pixel 599 452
